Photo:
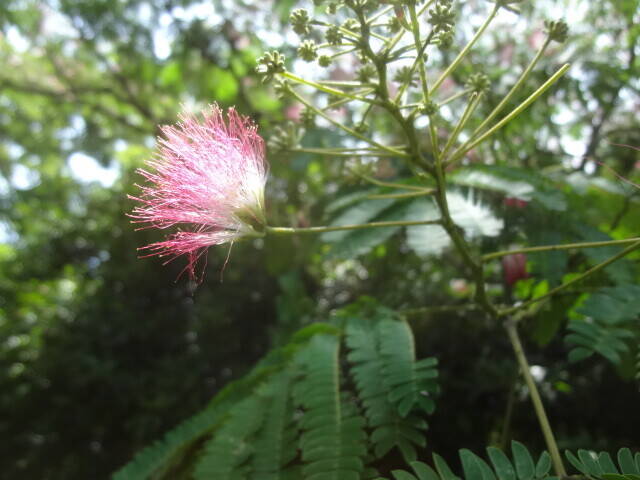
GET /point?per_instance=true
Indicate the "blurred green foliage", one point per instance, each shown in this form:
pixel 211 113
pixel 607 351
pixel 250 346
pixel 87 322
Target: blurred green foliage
pixel 100 353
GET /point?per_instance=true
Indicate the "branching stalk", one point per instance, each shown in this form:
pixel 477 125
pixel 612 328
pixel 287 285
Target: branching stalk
pixel 350 131
pixel 327 89
pixel 516 86
pixel 465 50
pixel 513 114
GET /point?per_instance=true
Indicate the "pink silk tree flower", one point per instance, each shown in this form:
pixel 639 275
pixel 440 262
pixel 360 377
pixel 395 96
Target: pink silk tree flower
pixel 208 179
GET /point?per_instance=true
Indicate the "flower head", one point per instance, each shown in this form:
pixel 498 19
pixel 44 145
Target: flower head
pixel 208 179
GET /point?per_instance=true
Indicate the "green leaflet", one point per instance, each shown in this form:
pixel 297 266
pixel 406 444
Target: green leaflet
pixel 596 466
pixel 332 441
pixel 389 428
pixel 514 182
pixel 274 445
pixel 609 327
pixel 601 466
pixel 409 384
pixel 226 451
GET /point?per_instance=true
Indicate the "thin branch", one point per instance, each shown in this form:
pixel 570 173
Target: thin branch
pixel 338 228
pixel 566 246
pixel 513 114
pixel 574 280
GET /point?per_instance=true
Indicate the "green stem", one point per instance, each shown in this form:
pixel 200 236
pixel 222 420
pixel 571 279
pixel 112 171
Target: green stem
pixel 474 100
pixel 440 309
pixel 518 84
pixel 420 48
pixel 327 89
pixel 536 400
pixel 342 101
pixel 455 96
pixel 513 114
pixel 350 131
pixel 380 183
pixel 465 50
pixel 567 246
pixel 374 17
pixel 334 153
pixel 426 191
pixel 577 279
pixel 476 267
pixel 394 41
pixel 338 228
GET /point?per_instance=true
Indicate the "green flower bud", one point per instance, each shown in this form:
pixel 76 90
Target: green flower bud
pixel 429 108
pixel 308 51
pixel 557 30
pixel 269 65
pixel 283 138
pixel 366 73
pixel 333 35
pixel 332 8
pixel 441 16
pixel 361 128
pixel 308 118
pixel 479 82
pixel 300 21
pixel 444 39
pixel 281 87
pixel 405 75
pixel 324 61
pixel 351 24
pixel 394 24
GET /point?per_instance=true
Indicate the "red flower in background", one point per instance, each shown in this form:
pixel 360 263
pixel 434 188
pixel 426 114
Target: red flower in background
pixel 515 202
pixel 514 268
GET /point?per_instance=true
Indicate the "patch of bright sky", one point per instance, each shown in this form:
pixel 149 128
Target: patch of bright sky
pixel 18 42
pixel 163 34
pixel 87 169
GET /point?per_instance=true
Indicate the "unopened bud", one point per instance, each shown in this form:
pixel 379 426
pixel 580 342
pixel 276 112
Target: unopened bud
pixel 557 30
pixel 308 51
pixel 270 64
pixel 300 21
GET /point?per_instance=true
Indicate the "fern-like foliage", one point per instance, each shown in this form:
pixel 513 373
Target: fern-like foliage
pixel 523 467
pixel 371 343
pixel 499 467
pixel 610 324
pixel 307 412
pixel 275 444
pixel 601 466
pixel 333 439
pixel 225 453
